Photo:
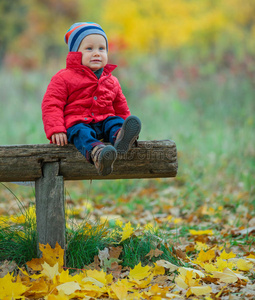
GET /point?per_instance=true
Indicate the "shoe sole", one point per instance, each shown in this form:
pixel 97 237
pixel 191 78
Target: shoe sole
pixel 106 159
pixel 129 133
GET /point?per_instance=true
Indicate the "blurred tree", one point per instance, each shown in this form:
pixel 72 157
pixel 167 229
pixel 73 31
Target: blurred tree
pixel 155 25
pixel 32 31
pixel 43 29
pixel 12 23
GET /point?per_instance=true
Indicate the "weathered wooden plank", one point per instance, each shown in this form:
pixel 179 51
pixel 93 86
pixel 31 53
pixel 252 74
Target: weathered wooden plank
pixel 151 159
pixel 50 208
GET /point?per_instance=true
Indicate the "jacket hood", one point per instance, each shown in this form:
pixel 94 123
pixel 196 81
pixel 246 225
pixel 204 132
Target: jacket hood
pixel 73 61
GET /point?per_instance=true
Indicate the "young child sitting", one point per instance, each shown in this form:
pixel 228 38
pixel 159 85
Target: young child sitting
pixel 84 103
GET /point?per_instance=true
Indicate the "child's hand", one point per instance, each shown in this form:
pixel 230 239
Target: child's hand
pixel 59 139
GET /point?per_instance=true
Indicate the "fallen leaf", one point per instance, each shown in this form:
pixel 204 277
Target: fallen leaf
pixel 244 265
pixel 245 231
pixel 60 296
pixel 127 232
pixel 201 232
pixel 7 267
pixel 69 288
pixel 52 255
pixel 139 272
pixel 10 289
pixel 225 255
pixel 199 290
pixel 39 288
pixel 120 289
pixel 154 253
pixel 115 251
pixel 184 271
pixel 100 276
pixel 159 291
pixel 167 265
pixel 158 270
pixel 115 269
pixel 103 255
pixel 228 276
pixel 49 271
pixel 222 264
pixel 205 256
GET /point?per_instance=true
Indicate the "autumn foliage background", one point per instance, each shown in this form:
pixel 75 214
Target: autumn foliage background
pixel 32 31
pixel 187 68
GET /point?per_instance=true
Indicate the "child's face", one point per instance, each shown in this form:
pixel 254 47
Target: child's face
pixel 94 52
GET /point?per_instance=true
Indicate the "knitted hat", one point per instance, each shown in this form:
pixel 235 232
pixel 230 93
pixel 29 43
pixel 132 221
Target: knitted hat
pixel 78 31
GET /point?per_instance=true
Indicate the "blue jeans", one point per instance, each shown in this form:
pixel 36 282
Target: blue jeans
pixel 87 136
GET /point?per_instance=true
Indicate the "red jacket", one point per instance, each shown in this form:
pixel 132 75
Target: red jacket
pixel 75 95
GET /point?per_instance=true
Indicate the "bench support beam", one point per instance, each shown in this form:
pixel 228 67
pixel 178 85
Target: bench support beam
pixel 50 208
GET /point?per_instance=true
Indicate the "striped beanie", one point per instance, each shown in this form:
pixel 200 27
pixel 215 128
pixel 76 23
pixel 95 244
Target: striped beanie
pixel 78 31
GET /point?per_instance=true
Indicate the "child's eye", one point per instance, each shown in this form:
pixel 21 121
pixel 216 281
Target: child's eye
pixel 102 48
pixel 89 48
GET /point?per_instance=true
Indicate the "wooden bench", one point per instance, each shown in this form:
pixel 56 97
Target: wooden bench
pixel 49 165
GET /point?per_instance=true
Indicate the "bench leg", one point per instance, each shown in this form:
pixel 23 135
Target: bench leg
pixel 50 208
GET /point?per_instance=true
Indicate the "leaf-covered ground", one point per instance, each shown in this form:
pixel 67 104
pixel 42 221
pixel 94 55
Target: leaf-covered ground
pixel 212 241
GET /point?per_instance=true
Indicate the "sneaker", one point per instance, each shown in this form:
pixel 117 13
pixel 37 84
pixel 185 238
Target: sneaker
pixel 104 158
pixel 128 134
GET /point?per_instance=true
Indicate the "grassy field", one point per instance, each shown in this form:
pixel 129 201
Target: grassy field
pixel 210 116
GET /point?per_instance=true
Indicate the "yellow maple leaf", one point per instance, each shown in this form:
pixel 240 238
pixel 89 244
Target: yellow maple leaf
pixel 199 290
pixel 166 264
pixel 223 264
pixel 93 281
pixel 186 278
pixel 183 271
pixel 120 289
pixel 139 272
pixel 90 289
pixel 53 255
pixel 119 223
pixel 60 296
pixel 143 283
pixel 127 232
pixel 35 264
pixel 69 288
pixel 10 289
pixel 34 276
pixel 206 256
pixel 180 281
pixel 228 276
pixel 64 276
pixel 244 265
pixel 201 246
pixel 209 268
pixel 159 291
pixel 49 271
pixel 50 256
pixel 201 232
pixel 225 255
pixel 158 270
pixel 100 276
pixel 38 288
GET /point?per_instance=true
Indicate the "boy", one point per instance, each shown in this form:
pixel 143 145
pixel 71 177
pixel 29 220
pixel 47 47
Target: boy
pixel 84 102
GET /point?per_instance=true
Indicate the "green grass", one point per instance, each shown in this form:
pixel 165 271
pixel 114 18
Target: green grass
pixel 84 242
pixel 18 242
pixel 16 247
